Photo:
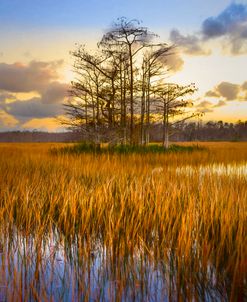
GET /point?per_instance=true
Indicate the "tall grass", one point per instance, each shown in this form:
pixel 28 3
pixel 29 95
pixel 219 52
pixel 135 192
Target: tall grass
pixel 122 227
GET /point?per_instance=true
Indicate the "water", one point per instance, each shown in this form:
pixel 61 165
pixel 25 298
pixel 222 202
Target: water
pixel 229 170
pixel 57 269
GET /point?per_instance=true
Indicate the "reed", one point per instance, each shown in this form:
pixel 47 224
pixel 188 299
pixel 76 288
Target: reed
pixel 122 226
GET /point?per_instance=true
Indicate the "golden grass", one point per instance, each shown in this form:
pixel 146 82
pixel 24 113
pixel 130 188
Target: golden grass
pixel 130 212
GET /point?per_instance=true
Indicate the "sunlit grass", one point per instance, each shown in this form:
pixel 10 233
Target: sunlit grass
pixel 118 220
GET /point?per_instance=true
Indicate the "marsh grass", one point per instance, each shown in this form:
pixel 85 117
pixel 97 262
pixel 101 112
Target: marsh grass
pixel 81 148
pixel 118 228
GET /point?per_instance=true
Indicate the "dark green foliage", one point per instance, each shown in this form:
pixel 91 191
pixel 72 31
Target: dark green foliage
pixel 124 149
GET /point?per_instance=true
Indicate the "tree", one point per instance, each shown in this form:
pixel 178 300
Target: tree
pixel 120 90
pixel 131 38
pixel 171 106
pixel 152 66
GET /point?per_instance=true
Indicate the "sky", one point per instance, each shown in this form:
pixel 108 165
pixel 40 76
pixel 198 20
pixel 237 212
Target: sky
pixel 37 37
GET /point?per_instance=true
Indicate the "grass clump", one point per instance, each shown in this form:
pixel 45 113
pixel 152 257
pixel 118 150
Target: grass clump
pixel 124 149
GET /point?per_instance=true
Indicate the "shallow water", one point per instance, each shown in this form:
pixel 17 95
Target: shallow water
pixel 230 170
pixel 76 271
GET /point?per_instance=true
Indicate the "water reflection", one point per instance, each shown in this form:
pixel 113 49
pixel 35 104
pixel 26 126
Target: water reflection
pixel 230 170
pixel 82 269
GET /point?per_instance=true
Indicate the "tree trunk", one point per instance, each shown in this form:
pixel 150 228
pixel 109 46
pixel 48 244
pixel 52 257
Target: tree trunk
pixel 131 97
pixel 148 108
pixel 166 125
pixel 143 106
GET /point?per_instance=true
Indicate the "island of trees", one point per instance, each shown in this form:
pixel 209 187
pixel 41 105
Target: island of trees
pixel 121 90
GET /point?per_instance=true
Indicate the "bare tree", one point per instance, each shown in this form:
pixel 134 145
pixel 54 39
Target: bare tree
pixel 132 38
pixel 120 90
pixel 171 105
pixel 154 69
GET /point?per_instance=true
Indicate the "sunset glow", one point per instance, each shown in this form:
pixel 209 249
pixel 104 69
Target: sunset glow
pixel 36 65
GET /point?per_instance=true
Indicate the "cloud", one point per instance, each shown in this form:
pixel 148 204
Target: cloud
pixel 32 112
pixel 190 44
pixel 204 104
pixel 5 96
pixel 174 62
pixel 33 108
pixel 43 124
pixel 204 107
pixel 34 76
pixel 207 107
pixel 7 120
pixel 37 82
pixel 55 93
pixel 231 24
pixel 212 94
pixel 220 104
pixel 226 22
pixel 229 92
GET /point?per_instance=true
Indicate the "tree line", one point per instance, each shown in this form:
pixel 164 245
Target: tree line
pixel 208 131
pixel 120 91
pixel 184 131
